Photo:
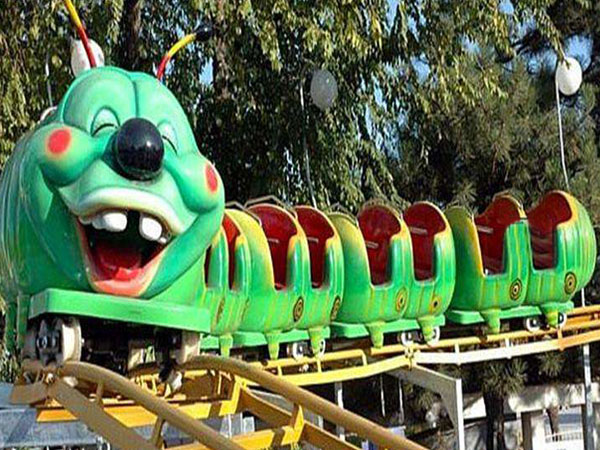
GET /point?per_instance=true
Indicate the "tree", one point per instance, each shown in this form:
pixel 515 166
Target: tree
pixel 434 97
pixel 499 380
pixel 248 121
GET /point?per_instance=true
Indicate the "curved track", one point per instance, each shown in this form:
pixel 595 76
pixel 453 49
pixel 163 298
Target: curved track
pixel 213 386
pixel 56 384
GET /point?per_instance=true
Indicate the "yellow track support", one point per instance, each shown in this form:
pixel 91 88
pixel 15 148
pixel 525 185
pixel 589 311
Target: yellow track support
pixel 288 428
pixel 215 387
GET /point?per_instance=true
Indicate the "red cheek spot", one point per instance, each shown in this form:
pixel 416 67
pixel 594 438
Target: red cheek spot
pixel 211 178
pixel 59 141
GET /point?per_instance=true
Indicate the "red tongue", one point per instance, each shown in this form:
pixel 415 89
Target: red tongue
pixel 118 261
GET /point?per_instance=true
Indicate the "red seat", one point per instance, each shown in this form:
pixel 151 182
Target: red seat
pixel 378 224
pixel 318 230
pixel 424 222
pixel 491 227
pixel 279 227
pixel 543 219
pixel 232 232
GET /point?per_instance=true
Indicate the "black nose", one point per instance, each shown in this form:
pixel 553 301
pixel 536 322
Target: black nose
pixel 139 149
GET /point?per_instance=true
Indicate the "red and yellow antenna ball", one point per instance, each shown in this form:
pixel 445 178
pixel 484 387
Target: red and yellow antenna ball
pixel 81 32
pixel 202 33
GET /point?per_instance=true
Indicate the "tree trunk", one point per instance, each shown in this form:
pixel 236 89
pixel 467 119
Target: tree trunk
pixel 129 35
pixel 553 417
pixel 494 411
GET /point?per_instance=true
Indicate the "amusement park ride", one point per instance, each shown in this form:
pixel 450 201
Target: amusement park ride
pixel 125 274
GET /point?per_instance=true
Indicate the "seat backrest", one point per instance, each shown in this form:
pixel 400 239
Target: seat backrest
pixel 424 221
pixel 232 232
pixel 378 223
pixel 318 230
pixel 552 210
pixel 279 227
pixel 491 228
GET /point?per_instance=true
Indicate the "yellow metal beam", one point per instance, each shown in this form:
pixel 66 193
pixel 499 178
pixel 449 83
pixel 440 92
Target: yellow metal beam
pixel 158 407
pixel 263 439
pixel 327 410
pixel 215 386
pixel 274 415
pixel 94 417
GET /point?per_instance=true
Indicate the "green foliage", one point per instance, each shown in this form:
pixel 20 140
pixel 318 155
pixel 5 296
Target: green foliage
pixel 509 142
pixel 249 120
pixel 503 378
pixel 551 364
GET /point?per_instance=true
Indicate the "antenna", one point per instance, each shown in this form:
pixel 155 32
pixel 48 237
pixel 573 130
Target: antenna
pixel 202 33
pixel 81 32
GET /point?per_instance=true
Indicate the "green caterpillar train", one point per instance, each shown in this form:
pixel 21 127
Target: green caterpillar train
pixel 115 237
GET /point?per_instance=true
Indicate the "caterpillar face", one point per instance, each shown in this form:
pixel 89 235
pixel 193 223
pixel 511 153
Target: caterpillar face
pixel 114 177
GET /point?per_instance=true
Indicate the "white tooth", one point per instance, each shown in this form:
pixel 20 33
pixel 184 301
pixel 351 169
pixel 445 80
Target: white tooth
pixel 114 220
pixel 85 220
pixel 162 240
pixel 98 222
pixel 150 228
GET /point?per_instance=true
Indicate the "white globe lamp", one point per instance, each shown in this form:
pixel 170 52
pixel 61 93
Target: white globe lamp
pixel 568 76
pixel 79 59
pixel 323 89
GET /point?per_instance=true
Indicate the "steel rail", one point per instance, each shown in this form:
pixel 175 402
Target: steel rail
pixel 352 363
pixel 193 401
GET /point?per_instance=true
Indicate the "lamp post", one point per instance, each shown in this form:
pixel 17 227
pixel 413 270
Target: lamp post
pixel 567 80
pixel 323 92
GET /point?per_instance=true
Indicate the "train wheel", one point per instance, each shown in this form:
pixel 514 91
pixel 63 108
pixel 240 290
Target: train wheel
pixel 175 380
pixel 189 347
pixel 437 333
pixel 297 350
pixel 30 349
pixel 71 340
pixel 56 340
pixel 562 320
pixel 532 324
pixel 407 338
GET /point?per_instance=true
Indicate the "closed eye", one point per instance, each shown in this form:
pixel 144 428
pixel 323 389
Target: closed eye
pixel 105 120
pixel 103 127
pixel 170 141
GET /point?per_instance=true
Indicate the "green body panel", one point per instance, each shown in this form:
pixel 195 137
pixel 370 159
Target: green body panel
pixel 487 294
pixel 45 186
pixel 270 312
pixel 323 303
pixel 575 247
pixel 111 307
pixel 226 303
pixel 365 303
pixel 429 299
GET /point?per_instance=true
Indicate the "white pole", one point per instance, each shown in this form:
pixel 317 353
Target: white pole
pixel 560 136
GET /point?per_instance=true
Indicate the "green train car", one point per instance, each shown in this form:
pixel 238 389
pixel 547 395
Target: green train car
pixel 513 264
pixel 107 211
pixel 399 276
pixel 115 238
pixel 563 256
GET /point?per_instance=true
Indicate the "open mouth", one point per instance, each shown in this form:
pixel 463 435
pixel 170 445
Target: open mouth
pixel 122 249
